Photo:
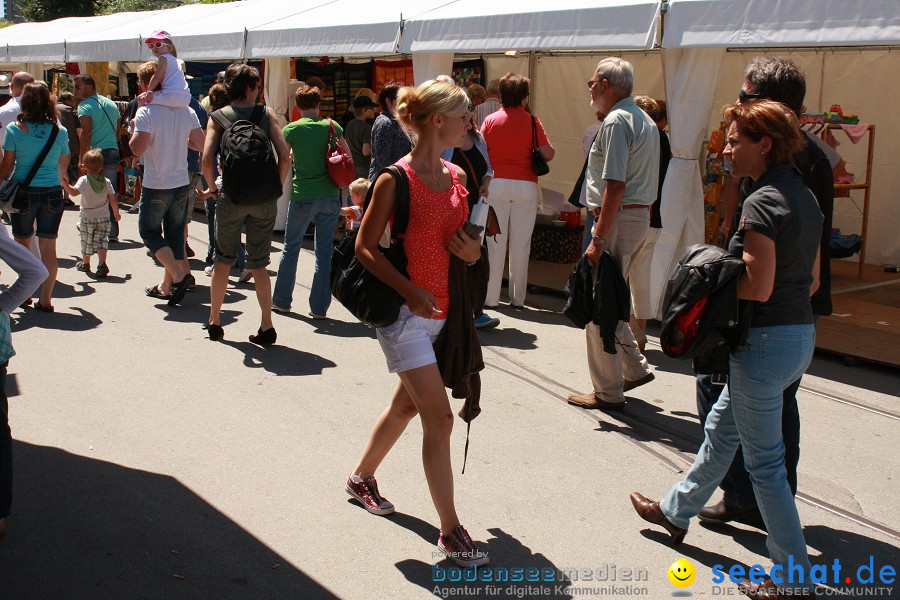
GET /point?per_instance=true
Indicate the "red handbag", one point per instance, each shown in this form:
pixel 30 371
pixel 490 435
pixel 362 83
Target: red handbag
pixel 340 164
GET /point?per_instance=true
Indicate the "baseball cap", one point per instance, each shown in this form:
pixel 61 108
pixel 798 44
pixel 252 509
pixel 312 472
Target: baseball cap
pixel 159 34
pixel 364 102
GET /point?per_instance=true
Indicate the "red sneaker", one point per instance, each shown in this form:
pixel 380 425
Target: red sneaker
pixel 459 547
pixel 366 491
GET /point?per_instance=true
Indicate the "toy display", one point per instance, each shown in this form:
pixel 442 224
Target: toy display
pixel 715 169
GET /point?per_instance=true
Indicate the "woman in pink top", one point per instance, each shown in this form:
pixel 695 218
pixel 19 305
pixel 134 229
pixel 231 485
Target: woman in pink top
pixel 514 190
pixel 439 113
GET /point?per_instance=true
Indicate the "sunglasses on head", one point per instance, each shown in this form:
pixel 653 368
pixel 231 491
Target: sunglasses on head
pixel 157 44
pixel 744 96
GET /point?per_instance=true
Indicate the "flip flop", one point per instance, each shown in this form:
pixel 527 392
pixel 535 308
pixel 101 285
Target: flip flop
pixel 179 290
pixel 153 292
pixel 43 308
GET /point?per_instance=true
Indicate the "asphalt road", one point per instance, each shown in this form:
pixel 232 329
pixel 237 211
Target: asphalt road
pixel 153 463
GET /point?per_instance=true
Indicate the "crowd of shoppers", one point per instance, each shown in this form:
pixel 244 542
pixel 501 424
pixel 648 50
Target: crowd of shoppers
pixel 454 147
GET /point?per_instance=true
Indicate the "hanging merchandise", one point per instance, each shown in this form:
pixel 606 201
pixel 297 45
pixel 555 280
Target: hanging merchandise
pixel 715 169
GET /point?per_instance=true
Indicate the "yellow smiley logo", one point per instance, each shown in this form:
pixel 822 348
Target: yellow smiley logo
pixel 682 573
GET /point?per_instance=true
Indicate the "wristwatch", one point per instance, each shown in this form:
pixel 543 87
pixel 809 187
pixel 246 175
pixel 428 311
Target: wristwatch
pixel 598 241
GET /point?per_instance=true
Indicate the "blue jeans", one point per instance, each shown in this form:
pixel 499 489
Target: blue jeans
pixel 211 224
pixel 748 413
pixel 325 211
pixel 43 215
pixel 588 231
pixel 111 171
pixel 161 219
pixel 736 484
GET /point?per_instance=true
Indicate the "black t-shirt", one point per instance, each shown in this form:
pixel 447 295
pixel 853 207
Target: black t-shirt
pixel 783 209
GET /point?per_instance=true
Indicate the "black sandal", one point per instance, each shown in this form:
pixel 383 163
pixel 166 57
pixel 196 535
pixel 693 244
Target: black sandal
pixel 153 292
pixel 264 338
pixel 180 289
pixel 215 331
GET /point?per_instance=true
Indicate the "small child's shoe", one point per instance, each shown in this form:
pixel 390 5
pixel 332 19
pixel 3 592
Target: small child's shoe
pixel 83 266
pixel 102 270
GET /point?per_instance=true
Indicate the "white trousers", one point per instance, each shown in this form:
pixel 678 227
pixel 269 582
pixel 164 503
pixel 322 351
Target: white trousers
pixel 515 203
pixel 608 371
pixel 639 279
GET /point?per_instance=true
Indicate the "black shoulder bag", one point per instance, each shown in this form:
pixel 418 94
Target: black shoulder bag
pixel 538 163
pixel 14 194
pixel 368 298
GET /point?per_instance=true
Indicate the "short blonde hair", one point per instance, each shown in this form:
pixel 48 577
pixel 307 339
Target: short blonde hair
pixel 415 107
pixel 93 159
pixel 359 186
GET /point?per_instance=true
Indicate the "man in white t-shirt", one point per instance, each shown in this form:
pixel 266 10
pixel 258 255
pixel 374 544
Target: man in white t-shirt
pixel 162 135
pixel 11 110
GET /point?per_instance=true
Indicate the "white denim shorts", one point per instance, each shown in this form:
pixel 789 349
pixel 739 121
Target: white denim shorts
pixel 408 342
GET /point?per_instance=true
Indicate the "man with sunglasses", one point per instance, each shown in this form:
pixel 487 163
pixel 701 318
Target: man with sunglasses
pixel 98 117
pixel 621 184
pixel 778 79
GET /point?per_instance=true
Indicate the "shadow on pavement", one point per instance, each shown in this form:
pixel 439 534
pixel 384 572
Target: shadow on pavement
pixel 64 290
pixel 63 321
pixel 329 326
pixel 86 528
pixel 507 554
pixel 280 360
pixel 508 337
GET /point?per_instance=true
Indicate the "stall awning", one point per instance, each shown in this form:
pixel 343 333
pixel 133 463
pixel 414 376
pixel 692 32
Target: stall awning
pixel 477 26
pixel 335 28
pixel 774 23
pixel 123 39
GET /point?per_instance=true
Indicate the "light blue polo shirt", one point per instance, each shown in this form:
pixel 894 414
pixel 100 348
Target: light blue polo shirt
pixel 627 149
pixel 104 119
pixel 28 147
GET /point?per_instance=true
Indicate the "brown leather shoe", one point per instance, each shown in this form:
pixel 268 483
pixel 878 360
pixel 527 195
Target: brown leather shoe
pixel 649 511
pixel 767 590
pixel 630 385
pixel 720 513
pixel 592 400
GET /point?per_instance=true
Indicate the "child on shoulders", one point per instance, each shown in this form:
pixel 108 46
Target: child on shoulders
pixel 96 193
pixel 175 91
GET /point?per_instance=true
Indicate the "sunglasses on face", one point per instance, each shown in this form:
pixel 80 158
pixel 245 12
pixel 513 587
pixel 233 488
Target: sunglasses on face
pixel 471 107
pixel 157 44
pixel 591 82
pixel 744 96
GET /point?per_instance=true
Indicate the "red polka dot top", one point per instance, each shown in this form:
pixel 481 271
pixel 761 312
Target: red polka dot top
pixel 434 218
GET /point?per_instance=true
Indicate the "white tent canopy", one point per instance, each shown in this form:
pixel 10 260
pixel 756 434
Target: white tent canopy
pixel 472 26
pixel 335 27
pixel 773 23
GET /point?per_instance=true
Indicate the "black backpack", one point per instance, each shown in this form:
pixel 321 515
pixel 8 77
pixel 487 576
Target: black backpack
pixel 249 168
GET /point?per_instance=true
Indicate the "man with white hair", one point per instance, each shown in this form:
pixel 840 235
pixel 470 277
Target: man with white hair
pixel 11 110
pixel 621 183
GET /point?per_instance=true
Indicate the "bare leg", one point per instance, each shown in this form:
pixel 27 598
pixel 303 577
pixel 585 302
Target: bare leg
pixel 217 289
pixel 263 286
pixel 48 257
pixel 427 391
pixel 388 429
pixel 86 259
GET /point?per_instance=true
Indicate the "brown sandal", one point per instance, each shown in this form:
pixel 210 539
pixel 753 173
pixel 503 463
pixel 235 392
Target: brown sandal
pixel 43 308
